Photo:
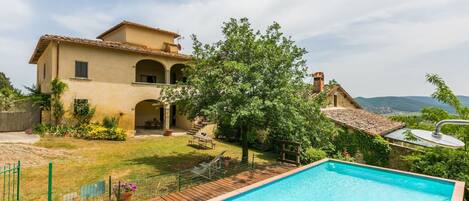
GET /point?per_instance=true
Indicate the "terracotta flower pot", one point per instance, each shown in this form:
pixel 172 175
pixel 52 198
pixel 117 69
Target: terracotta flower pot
pixel 125 196
pixel 168 132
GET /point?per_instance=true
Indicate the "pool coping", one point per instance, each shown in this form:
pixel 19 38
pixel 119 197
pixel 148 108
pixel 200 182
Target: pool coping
pixel 458 192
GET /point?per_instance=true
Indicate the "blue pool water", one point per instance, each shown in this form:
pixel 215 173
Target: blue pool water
pixel 336 181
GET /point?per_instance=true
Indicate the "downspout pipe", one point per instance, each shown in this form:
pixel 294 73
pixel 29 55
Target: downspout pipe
pixel 440 124
pixel 57 61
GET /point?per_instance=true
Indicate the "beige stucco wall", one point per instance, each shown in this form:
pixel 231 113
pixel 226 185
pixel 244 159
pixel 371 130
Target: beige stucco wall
pixel 148 38
pixel 342 100
pixel 141 36
pixel 48 59
pixel 183 122
pixel 116 35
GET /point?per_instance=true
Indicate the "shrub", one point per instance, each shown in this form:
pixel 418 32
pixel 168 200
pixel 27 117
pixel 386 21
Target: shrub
pixel 98 132
pixel 82 112
pixel 41 129
pixel 312 154
pixel 375 149
pixel 344 156
pixel 442 162
pixel 110 122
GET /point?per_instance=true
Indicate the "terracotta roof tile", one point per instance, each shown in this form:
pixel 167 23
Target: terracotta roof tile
pixel 44 41
pixel 362 120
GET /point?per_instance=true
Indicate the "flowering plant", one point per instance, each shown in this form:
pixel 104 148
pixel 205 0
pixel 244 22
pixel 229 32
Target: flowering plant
pixel 125 187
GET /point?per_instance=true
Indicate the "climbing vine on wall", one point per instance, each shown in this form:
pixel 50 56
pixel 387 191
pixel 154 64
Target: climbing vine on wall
pixel 374 149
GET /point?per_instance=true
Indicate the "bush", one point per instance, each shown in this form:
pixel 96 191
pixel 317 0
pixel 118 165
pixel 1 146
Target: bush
pixel 375 149
pixel 110 122
pixel 42 129
pixel 82 112
pixel 98 132
pixel 442 162
pixel 312 154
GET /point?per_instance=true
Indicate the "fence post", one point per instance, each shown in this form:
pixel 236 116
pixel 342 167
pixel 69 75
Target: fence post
pixel 18 182
pixel 119 191
pixel 4 180
pixel 49 186
pixel 9 185
pixel 179 181
pixel 110 187
pixel 252 165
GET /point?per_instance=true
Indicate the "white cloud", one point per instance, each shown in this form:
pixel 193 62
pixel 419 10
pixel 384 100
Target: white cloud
pixel 86 23
pixel 13 14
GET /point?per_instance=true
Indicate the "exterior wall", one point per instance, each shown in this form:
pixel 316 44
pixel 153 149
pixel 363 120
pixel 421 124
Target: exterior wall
pixel 105 65
pixel 342 100
pixel 48 59
pixel 148 38
pixel 183 122
pixel 116 35
pixel 140 36
pixel 109 99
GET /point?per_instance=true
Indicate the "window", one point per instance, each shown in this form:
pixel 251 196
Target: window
pixel 335 100
pixel 148 78
pixel 80 106
pixel 44 72
pixel 81 69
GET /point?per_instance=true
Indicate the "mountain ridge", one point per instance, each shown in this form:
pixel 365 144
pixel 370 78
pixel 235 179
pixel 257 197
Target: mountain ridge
pixel 404 104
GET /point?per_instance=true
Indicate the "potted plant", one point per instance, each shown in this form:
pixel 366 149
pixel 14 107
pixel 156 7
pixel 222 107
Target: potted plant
pixel 126 191
pixel 168 132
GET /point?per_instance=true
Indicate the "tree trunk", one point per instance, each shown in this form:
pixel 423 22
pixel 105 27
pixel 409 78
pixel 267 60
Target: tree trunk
pixel 244 142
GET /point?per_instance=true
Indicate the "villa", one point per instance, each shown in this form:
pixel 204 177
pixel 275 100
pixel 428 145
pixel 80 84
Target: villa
pixel 121 74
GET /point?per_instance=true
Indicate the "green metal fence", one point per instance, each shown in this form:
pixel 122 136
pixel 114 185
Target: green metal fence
pixel 147 187
pixel 10 188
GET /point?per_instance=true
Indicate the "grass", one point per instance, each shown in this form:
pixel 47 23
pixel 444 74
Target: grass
pixel 91 161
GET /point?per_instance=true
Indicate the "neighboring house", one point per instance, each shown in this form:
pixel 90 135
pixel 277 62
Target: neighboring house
pixel 345 111
pixel 121 73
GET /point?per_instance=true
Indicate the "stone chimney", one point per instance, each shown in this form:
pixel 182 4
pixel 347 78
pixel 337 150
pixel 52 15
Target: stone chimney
pixel 318 84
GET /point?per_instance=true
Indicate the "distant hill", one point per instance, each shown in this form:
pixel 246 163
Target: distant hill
pixel 404 104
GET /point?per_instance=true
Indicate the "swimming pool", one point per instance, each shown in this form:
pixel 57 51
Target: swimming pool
pixel 332 180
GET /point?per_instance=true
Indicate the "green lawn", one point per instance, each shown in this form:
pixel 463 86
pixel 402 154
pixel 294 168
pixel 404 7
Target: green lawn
pixel 135 158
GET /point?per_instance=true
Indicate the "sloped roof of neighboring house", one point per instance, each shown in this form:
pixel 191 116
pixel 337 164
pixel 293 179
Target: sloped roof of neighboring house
pixel 361 120
pixel 136 25
pixel 46 39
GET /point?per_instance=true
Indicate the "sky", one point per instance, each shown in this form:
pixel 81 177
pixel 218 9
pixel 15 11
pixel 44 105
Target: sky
pixel 372 48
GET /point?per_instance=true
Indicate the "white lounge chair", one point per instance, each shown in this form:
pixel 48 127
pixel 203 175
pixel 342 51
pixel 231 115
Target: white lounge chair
pixel 204 168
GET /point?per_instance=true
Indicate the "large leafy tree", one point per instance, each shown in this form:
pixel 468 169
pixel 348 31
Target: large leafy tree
pixel 252 81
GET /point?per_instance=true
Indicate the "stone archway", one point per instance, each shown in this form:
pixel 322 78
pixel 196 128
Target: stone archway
pixel 149 115
pixel 150 71
pixel 177 74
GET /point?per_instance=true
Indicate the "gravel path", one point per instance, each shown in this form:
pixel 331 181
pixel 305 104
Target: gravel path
pixel 18 137
pixel 28 154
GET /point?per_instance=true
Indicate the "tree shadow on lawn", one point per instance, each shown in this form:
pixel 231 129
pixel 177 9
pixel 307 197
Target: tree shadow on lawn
pixel 172 163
